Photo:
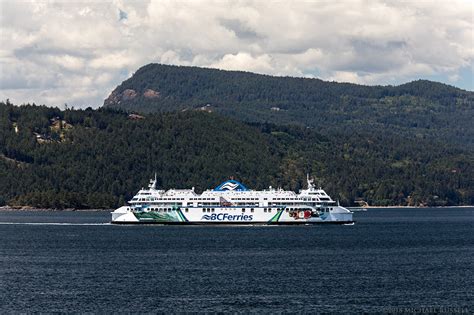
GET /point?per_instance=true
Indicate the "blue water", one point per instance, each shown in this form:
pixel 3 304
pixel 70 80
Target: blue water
pixel 390 259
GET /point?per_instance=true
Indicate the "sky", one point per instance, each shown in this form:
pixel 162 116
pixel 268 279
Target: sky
pixel 77 52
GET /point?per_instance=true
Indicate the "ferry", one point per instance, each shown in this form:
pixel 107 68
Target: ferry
pixel 232 203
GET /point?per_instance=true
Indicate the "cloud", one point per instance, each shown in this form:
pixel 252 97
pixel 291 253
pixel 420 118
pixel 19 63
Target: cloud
pixel 245 62
pixel 77 52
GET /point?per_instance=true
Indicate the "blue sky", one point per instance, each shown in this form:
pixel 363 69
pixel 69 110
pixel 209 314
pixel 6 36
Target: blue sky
pixel 76 52
pixel 465 78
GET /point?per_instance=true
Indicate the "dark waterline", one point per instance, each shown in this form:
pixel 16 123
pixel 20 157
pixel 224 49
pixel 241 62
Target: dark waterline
pixel 391 258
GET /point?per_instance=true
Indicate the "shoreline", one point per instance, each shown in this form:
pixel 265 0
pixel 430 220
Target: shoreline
pixel 409 207
pixel 32 209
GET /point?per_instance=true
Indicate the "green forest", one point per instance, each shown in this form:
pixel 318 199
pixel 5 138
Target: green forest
pixel 89 158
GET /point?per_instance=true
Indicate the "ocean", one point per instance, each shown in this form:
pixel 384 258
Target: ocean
pixel 390 261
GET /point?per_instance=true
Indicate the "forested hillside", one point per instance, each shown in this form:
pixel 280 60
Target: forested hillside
pixel 420 109
pixel 99 158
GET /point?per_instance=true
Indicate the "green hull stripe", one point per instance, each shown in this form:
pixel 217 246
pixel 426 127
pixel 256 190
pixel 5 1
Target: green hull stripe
pixel 277 216
pixel 181 216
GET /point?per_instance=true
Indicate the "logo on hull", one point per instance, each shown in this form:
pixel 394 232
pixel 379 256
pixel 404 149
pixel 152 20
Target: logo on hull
pixel 227 217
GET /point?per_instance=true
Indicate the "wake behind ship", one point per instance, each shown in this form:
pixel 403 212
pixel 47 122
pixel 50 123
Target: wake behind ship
pixel 231 203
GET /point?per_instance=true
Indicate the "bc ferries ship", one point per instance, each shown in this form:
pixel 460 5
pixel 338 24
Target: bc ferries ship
pixel 232 203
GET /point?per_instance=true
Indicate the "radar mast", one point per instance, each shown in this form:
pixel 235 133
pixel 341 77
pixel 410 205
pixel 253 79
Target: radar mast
pixel 152 184
pixel 310 182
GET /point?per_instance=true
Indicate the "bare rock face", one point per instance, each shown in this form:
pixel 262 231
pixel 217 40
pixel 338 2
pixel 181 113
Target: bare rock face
pixel 128 94
pixel 116 97
pixel 112 99
pixel 149 93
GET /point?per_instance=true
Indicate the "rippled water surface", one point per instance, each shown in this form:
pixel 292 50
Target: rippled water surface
pixel 391 258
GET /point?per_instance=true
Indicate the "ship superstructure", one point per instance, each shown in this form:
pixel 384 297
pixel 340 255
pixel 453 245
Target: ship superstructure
pixel 232 203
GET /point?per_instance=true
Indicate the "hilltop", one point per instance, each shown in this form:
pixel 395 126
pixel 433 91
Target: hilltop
pixel 420 109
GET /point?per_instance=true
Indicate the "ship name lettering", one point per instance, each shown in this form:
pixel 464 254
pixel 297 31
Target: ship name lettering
pixel 229 217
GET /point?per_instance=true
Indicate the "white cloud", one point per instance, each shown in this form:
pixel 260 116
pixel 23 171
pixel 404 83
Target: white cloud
pixel 77 52
pixel 68 62
pixel 245 62
pixel 454 77
pixel 112 61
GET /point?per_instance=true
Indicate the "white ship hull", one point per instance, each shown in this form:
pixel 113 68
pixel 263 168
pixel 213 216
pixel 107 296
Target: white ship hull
pixel 227 215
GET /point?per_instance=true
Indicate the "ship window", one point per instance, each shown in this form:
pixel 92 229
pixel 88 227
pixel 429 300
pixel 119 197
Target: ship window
pixel 243 209
pixel 186 210
pixel 203 210
pixel 251 210
pixel 213 210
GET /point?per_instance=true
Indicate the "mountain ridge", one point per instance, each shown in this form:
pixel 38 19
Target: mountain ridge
pixel 424 108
